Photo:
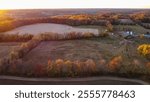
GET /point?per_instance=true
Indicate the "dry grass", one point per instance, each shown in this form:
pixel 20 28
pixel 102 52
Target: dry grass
pixel 69 50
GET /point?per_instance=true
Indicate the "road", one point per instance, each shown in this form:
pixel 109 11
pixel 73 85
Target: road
pixel 11 80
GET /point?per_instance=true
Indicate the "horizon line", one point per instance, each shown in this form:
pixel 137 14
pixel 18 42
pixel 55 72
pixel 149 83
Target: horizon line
pixel 66 8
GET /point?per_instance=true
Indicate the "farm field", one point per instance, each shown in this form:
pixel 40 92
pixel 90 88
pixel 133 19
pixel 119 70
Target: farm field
pixel 69 50
pixel 96 49
pixel 50 27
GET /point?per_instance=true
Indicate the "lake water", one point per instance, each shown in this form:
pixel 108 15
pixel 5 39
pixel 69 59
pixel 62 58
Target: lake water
pixel 50 27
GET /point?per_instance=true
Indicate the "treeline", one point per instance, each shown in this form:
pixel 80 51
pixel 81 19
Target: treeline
pixel 73 20
pixel 76 68
pixel 11 24
pixel 15 37
pixel 142 19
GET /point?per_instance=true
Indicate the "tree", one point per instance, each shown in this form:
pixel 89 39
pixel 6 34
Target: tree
pixel 115 63
pixel 109 27
pixel 144 50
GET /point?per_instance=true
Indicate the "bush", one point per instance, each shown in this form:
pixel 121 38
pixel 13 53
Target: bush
pixel 144 50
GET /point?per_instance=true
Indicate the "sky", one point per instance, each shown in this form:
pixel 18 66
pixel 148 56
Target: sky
pixel 36 4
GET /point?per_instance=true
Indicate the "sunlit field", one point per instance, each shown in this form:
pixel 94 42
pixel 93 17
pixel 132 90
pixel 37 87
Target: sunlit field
pixel 36 29
pixel 75 43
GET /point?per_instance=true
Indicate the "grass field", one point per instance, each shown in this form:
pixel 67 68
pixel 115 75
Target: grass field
pixel 6 48
pixel 92 48
pixel 68 50
pixel 136 28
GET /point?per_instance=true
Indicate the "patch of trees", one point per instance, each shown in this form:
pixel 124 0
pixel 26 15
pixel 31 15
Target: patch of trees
pixel 11 24
pixel 75 68
pixel 73 20
pixel 142 19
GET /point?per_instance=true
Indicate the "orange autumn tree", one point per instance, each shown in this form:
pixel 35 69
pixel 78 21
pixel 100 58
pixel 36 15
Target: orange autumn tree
pixel 115 63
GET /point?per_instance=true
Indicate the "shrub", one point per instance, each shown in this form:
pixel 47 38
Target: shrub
pixel 144 50
pixel 115 63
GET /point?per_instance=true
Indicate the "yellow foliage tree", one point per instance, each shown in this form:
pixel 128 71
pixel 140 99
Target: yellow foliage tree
pixel 144 50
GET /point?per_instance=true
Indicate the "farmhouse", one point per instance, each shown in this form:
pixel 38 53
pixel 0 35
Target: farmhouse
pixel 127 34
